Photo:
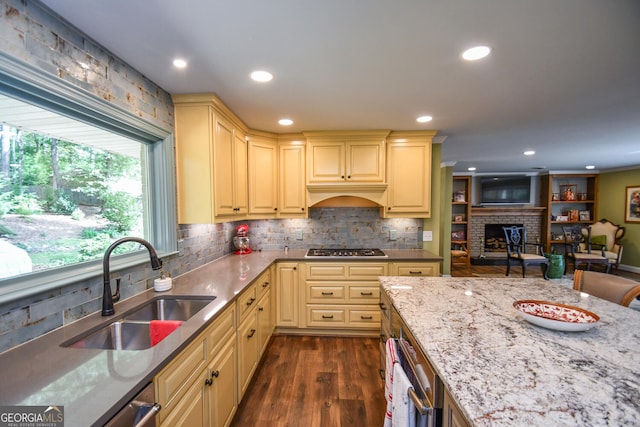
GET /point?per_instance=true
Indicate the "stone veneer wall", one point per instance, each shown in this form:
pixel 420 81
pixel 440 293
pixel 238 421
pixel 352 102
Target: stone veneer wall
pixel 530 218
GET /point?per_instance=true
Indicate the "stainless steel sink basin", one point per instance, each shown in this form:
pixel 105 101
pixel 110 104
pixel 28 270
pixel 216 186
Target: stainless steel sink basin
pixel 131 330
pixel 168 308
pixel 117 336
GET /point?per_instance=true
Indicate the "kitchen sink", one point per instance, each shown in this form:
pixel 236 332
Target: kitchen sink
pixel 131 331
pixel 168 308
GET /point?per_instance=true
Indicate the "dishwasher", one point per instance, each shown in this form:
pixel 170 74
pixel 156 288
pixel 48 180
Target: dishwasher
pixel 140 412
pixel 428 390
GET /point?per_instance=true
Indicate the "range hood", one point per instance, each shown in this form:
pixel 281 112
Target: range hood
pixel 347 195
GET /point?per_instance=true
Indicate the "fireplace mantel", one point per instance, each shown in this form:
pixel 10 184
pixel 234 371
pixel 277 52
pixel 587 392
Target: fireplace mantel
pixel 520 211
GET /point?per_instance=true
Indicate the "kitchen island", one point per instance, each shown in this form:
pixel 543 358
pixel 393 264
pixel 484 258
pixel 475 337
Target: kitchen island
pixel 503 371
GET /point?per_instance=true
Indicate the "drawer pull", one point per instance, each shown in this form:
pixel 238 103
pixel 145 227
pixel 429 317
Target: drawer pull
pixel 327 293
pixel 366 294
pixel 251 333
pixel 324 316
pixel 383 306
pixel 265 284
pixel 260 308
pixel 366 317
pixel 415 272
pixel 251 301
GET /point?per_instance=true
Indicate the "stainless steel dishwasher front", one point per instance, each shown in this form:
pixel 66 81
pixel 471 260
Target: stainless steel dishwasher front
pixel 140 412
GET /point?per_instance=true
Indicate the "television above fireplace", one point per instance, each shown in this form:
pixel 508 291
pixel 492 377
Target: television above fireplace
pixel 505 190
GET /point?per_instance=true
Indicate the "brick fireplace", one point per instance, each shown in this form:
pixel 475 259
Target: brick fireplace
pixel 530 217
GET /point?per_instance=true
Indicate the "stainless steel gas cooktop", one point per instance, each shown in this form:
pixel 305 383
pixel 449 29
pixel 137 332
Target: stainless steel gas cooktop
pixel 340 253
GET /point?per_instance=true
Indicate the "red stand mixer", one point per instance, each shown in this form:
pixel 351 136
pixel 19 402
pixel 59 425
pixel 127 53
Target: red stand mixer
pixel 241 241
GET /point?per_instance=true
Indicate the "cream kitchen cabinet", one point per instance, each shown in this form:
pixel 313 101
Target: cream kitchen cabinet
pixel 345 157
pixel 291 179
pixel 185 387
pixel 451 414
pixel 211 161
pixel 256 327
pixel 409 174
pixel 230 171
pixel 263 177
pixel 342 295
pixel 414 268
pixel 287 295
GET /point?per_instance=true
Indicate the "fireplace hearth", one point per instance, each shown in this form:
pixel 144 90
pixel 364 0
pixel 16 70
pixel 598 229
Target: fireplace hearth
pixel 494 239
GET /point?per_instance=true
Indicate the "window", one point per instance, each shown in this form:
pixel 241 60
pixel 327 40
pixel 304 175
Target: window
pixel 76 174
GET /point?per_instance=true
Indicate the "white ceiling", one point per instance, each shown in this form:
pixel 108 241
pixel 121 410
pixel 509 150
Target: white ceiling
pixel 563 78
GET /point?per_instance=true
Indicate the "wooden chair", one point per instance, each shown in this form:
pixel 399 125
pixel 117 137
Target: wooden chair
pixel 577 247
pixel 516 240
pixel 606 234
pixel 606 286
pixel 459 253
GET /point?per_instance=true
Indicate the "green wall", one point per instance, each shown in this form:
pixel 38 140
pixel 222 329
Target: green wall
pixel 611 206
pixel 433 224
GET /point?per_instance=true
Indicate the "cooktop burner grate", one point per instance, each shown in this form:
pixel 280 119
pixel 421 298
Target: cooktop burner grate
pixel 369 253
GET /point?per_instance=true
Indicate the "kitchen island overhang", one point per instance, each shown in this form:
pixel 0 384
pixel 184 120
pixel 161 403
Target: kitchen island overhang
pixel 502 370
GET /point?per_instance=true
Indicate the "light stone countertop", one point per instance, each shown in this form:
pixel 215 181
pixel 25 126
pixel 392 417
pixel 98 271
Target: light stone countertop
pixel 93 385
pixel 504 371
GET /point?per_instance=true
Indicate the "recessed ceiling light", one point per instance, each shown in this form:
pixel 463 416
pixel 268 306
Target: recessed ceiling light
pixel 590 167
pixel 471 169
pixel 475 53
pixel 424 119
pixel 261 76
pixel 529 153
pixel 179 63
pixel 285 122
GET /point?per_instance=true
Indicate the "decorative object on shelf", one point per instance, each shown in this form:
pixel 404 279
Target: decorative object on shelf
pixel 568 192
pixel 582 196
pixel 562 218
pixel 585 216
pixel 458 218
pixel 573 215
pixel 458 235
pixel 555 196
pixel 459 196
pixel 632 204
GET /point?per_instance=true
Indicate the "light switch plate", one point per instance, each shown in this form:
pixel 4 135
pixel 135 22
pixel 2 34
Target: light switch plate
pixel 427 236
pixel 299 234
pixel 392 235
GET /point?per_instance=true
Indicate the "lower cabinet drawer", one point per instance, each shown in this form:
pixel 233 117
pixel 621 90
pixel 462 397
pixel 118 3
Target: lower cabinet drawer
pixel 326 317
pixel 346 316
pixel 369 318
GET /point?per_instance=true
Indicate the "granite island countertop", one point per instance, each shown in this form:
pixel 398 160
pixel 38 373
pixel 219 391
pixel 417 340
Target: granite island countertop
pixel 94 384
pixel 503 371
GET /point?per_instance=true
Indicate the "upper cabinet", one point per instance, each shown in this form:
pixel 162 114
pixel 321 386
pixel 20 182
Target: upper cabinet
pixel 263 176
pixel 345 157
pixel 291 178
pixel 409 174
pixel 211 161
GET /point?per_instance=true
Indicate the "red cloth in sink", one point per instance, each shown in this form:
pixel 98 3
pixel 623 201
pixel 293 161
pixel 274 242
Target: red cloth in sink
pixel 160 329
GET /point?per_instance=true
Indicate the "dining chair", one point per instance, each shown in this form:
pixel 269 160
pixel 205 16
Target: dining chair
pixel 606 286
pixel 578 249
pixel 516 241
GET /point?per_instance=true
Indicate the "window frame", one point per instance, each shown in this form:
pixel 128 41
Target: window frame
pixel 29 84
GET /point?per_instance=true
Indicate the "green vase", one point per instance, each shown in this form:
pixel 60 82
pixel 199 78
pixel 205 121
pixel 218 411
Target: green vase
pixel 556 266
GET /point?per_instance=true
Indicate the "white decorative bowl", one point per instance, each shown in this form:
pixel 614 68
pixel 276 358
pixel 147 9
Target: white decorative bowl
pixel 559 317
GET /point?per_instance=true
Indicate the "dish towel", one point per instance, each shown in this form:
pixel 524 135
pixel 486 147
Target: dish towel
pixel 391 353
pixel 160 329
pixel 403 410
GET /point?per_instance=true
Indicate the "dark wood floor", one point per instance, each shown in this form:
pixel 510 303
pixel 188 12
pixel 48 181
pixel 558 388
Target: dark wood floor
pixel 315 382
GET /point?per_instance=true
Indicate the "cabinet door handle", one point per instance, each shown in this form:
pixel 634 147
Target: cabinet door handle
pixel 389 208
pixel 295 268
pixel 302 208
pixel 275 209
pixel 251 301
pixel 260 308
pixel 342 177
pixel 327 317
pixel 265 284
pixel 383 306
pixel 348 176
pixel 251 333
pixel 215 374
pixel 327 293
pixel 366 294
pixel 366 317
